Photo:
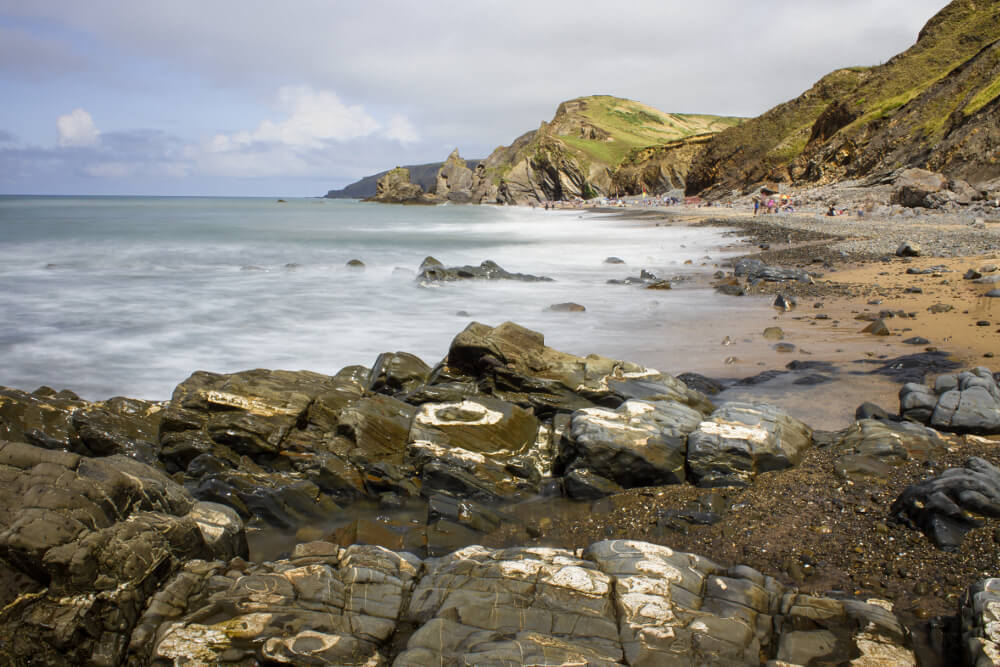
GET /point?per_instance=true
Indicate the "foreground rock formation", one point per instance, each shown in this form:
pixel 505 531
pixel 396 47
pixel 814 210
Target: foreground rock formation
pixel 125 539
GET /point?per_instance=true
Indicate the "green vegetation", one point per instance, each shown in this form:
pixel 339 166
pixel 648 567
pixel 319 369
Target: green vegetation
pixel 950 68
pixel 624 125
pixel 983 97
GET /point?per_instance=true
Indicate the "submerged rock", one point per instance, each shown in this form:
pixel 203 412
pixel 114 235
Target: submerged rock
pixel 434 273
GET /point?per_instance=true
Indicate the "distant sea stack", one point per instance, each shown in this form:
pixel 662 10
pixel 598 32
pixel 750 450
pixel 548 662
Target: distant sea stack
pixel 424 175
pixel 395 188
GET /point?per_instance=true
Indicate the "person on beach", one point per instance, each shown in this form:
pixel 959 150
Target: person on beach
pixel 756 204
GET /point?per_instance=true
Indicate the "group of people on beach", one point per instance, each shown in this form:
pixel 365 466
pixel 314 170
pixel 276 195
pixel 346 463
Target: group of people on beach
pixel 783 203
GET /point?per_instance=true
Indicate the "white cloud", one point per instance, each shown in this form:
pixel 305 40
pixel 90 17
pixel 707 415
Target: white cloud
pixel 314 117
pixel 401 129
pixel 77 129
pixel 315 129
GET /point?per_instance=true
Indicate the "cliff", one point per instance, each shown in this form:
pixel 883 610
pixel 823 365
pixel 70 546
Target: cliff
pixel 934 106
pixel 578 151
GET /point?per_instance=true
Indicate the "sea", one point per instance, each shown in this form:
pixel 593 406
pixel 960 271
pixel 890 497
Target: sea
pixel 111 296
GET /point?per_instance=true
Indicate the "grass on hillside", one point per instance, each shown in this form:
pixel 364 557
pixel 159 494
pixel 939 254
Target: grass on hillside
pixel 983 97
pixel 634 125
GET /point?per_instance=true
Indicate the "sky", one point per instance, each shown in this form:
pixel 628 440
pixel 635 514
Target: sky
pixel 186 97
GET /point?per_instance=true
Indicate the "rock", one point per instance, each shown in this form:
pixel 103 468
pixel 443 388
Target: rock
pixel 85 542
pixel 917 340
pixel 585 484
pixel 701 383
pixel 908 249
pixel 988 280
pixel 979 613
pixel 774 333
pixel 966 403
pixel 781 302
pixel 322 607
pixel 871 447
pixel 59 420
pixel 481 448
pixel 868 410
pixel 913 367
pixel 812 380
pixel 514 364
pixel 642 443
pixel 435 273
pixel 455 180
pixel 222 530
pixel 972 274
pixel 914 186
pixel 754 270
pixel 395 188
pixel 378 533
pixel 659 285
pixel 877 328
pixel 938 308
pixel 465 512
pixel 739 441
pixel 993 294
pixel 760 378
pixel 614 260
pixel 355 264
pixel 397 373
pixel 784 348
pixel 267 430
pixel 566 308
pixel 948 506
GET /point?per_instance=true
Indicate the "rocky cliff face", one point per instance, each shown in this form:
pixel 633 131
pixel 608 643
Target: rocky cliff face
pixel 657 168
pixel 934 106
pixel 454 180
pixel 577 153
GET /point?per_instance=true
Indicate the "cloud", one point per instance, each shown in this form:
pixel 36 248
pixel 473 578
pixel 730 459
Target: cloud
pixel 402 130
pixel 315 125
pixel 440 74
pixel 24 55
pixel 314 117
pixel 77 129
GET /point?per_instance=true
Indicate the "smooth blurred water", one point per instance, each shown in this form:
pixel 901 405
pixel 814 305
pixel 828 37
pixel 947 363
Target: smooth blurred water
pixel 130 295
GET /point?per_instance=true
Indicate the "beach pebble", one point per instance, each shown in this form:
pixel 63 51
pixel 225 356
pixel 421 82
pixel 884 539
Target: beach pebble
pixel 774 333
pixel 877 328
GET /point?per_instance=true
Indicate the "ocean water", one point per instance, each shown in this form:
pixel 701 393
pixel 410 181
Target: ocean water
pixel 130 295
